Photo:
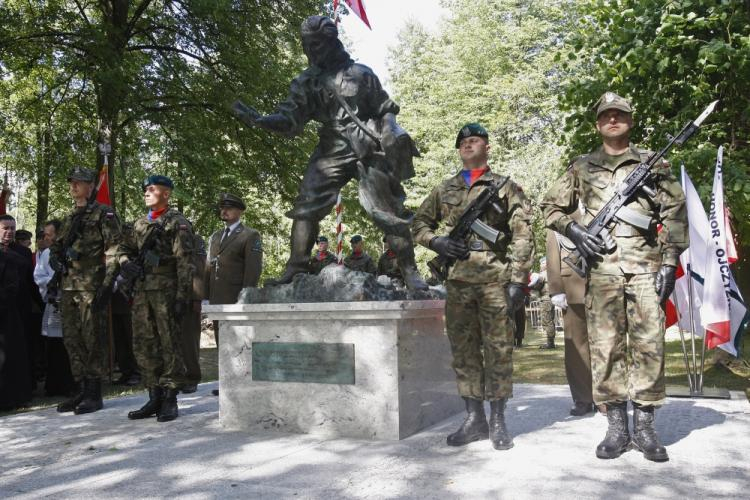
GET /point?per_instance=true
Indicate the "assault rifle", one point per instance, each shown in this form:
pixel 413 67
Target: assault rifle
pixel 126 284
pixel 615 209
pixel 468 222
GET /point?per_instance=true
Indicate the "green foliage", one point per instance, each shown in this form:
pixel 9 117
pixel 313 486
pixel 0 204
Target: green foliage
pixel 493 62
pixel 160 75
pixel 671 59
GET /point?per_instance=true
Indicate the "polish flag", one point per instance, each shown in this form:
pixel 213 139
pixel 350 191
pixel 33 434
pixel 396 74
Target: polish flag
pixel 102 187
pixel 699 261
pixel 358 7
pixel 716 302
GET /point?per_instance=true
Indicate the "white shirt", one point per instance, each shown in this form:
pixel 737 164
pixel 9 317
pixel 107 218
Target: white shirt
pixel 43 272
pixel 231 230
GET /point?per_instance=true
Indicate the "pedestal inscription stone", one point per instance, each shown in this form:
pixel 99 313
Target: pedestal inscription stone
pixel 311 362
pixel 397 353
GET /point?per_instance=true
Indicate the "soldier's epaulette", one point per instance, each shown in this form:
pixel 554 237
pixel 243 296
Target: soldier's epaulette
pixel 576 160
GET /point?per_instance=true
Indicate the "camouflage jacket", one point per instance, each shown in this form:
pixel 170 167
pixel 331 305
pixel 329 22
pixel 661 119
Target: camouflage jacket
pixel 317 265
pixel 91 259
pixel 361 262
pixel 510 258
pixel 592 180
pixel 388 265
pixel 170 264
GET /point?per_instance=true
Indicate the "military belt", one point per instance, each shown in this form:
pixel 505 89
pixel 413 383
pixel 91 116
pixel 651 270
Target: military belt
pixel 86 262
pixel 166 269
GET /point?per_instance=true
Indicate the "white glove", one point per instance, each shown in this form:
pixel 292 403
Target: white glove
pixel 560 300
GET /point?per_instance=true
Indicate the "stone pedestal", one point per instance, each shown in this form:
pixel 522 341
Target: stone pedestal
pixel 374 370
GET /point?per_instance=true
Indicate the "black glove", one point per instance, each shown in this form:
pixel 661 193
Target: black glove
pixel 102 297
pixel 665 280
pixel 516 297
pixel 180 308
pixel 587 245
pixel 448 247
pixel 130 270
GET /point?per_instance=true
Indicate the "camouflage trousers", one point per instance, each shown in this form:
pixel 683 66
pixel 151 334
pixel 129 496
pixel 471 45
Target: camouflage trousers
pixel 156 341
pixel 84 334
pixel 626 338
pixel 547 311
pixel 480 334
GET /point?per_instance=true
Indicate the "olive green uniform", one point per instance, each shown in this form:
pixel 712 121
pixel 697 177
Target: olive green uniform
pixel 190 322
pixel 362 262
pixel 476 313
pixel 317 263
pixel 168 278
pixel 562 279
pixel 91 263
pixel 622 306
pixel 388 265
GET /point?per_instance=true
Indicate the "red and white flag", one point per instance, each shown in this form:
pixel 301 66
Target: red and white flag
pixel 102 187
pixel 357 6
pixel 700 258
pixel 716 302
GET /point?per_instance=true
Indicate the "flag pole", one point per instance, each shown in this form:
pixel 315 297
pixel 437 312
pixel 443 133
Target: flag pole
pixel 692 324
pixel 684 348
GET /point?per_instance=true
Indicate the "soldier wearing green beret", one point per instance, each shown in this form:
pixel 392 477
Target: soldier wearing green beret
pixel 84 255
pixel 627 283
pixel 388 263
pixel 322 257
pixel 158 254
pixel 359 259
pixel 485 285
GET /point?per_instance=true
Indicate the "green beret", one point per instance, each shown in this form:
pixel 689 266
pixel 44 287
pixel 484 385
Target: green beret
pixel 355 239
pixel 322 239
pixel 610 100
pixel 158 180
pixel 471 130
pixel 82 174
pixel 229 200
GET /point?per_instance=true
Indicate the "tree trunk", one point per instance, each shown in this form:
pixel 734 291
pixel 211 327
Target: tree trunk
pixel 44 139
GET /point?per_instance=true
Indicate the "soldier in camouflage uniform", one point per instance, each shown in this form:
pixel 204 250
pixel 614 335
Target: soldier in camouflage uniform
pixel 322 257
pixel 87 265
pixel 626 286
pixel 388 263
pixel 163 293
pixel 540 292
pixel 359 260
pixel 485 285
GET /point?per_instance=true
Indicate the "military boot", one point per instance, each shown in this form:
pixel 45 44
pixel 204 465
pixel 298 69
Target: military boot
pixel 474 426
pixel 499 436
pixel 152 406
pixel 617 439
pixel 168 410
pixel 549 345
pixel 403 247
pixel 644 434
pixel 70 404
pixel 303 237
pixel 92 397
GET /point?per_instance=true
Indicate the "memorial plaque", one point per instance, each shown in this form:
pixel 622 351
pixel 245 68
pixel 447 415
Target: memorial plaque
pixel 319 363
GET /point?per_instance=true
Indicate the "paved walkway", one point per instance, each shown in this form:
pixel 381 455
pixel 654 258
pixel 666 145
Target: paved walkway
pixel 104 455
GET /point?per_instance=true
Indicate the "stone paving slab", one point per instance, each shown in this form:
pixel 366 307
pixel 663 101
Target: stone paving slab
pixel 104 455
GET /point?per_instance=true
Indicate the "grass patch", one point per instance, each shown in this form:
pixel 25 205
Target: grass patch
pixel 532 365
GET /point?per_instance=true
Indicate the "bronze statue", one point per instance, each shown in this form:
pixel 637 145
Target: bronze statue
pixel 358 138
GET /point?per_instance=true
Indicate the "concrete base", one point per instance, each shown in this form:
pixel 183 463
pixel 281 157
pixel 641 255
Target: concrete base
pixel 403 381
